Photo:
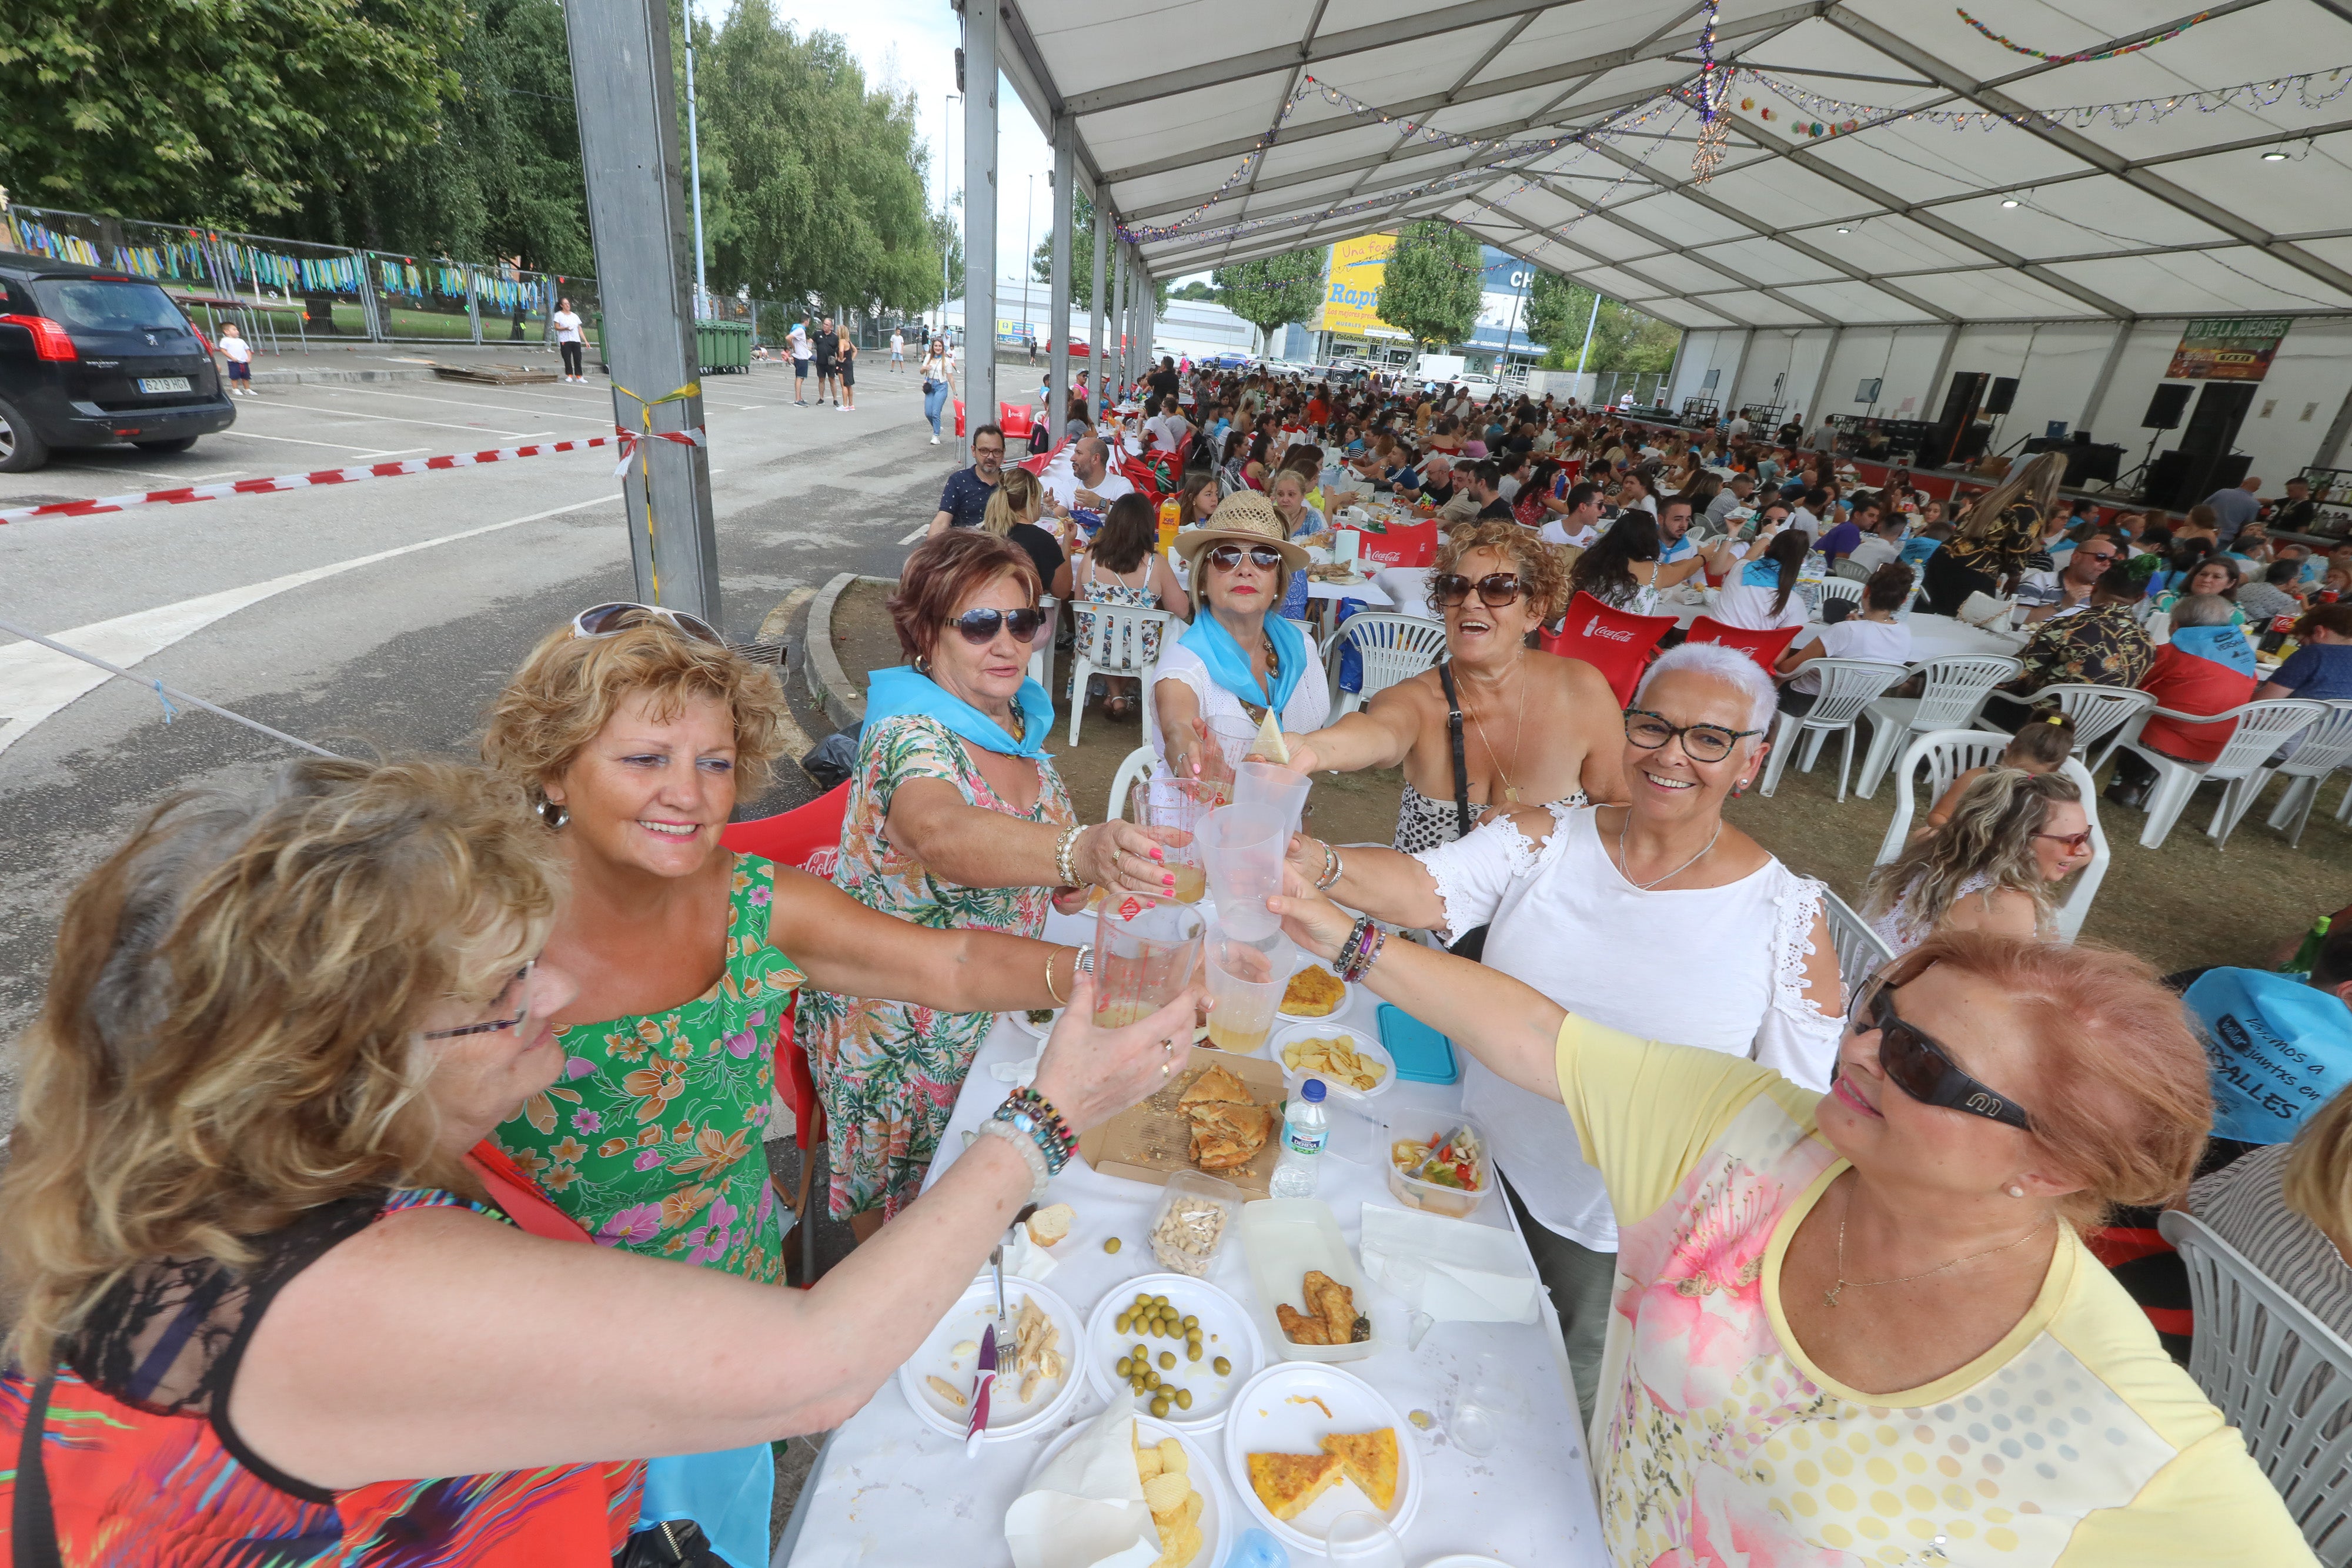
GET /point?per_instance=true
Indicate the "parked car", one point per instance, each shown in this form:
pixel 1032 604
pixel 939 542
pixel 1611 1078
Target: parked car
pixel 90 358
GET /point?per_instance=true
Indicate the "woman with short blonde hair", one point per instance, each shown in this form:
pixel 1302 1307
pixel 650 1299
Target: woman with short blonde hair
pixel 265 1268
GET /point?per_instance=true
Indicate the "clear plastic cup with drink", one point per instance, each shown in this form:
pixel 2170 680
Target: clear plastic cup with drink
pixel 1144 955
pixel 1246 979
pixel 1180 805
pixel 1272 785
pixel 1245 846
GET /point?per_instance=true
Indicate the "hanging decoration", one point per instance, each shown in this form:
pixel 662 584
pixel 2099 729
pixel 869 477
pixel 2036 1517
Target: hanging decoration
pixel 1714 86
pixel 2071 59
pixel 2310 90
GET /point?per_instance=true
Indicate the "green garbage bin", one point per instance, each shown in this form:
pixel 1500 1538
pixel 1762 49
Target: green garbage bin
pixel 723 345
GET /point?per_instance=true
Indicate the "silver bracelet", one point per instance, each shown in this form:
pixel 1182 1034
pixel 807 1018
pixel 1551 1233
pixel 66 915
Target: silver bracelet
pixel 1062 853
pixel 1031 1155
pixel 1333 869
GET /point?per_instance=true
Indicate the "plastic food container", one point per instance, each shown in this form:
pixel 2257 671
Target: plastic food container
pixel 1196 1215
pixel 1438 1198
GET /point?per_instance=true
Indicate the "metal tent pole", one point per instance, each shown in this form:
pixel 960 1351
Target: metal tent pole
pixel 627 104
pixel 979 18
pixel 1096 341
pixel 694 162
pixel 1117 369
pixel 1064 202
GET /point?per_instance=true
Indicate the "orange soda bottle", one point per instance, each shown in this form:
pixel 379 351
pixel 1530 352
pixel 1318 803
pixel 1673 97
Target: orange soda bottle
pixel 1170 508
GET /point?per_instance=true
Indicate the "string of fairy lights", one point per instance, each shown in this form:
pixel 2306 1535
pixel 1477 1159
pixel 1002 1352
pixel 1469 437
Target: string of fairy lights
pixel 1709 93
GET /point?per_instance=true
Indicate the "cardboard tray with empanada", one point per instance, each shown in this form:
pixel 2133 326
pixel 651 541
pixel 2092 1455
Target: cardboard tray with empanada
pixel 1231 1128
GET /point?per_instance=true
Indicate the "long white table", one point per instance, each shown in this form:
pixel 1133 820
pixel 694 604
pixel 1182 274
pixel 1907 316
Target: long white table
pixel 889 1489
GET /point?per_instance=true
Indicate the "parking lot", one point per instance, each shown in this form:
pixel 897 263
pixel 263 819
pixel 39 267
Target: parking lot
pixel 379 615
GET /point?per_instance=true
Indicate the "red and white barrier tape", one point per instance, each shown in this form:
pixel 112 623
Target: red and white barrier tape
pixel 629 439
pixel 625 439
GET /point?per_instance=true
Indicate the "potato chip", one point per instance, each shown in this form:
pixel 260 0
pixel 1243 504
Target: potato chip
pixel 1165 1492
pixel 1147 1464
pixel 1171 1456
pixel 1179 1547
pixel 1193 1507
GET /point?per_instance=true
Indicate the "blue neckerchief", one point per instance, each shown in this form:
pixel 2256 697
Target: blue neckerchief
pixel 2224 645
pixel 1761 574
pixel 902 691
pixel 1916 550
pixel 1229 667
pixel 1678 550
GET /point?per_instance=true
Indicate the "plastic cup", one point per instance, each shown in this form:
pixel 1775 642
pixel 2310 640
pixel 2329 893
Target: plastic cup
pixel 1246 979
pixel 1272 785
pixel 1232 737
pixel 1363 1540
pixel 1182 804
pixel 1245 846
pixel 1479 1409
pixel 1144 955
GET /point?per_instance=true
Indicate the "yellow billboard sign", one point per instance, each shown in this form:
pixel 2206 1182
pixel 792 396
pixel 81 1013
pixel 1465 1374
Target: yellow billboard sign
pixel 1352 294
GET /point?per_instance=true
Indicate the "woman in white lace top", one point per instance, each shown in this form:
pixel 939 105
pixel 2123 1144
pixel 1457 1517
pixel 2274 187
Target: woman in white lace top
pixel 1658 918
pixel 2011 837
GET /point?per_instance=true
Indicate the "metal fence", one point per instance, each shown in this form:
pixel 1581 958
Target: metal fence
pixel 289 291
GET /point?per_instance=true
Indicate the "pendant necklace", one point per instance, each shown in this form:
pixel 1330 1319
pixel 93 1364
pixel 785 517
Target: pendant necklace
pixel 1518 735
pixel 1831 1295
pixel 1625 867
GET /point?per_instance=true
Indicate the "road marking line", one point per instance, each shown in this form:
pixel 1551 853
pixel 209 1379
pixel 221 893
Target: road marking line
pixel 463 402
pixel 298 440
pixel 434 424
pixel 36 682
pixel 918 533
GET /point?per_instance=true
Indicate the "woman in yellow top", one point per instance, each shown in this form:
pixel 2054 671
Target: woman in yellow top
pixel 1861 1326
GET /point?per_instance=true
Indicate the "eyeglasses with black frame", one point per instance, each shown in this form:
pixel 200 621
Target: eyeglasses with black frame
pixel 979 627
pixel 519 981
pixel 1917 1064
pixel 1701 742
pixel 1494 590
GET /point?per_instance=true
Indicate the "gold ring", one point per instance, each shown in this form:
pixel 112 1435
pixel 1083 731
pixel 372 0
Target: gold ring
pixel 1164 1070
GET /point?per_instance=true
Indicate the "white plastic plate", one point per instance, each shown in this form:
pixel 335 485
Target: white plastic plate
pixel 1219 1518
pixel 1282 1239
pixel 1359 1041
pixel 1282 1411
pixel 1346 999
pixel 973 1312
pixel 1226 1330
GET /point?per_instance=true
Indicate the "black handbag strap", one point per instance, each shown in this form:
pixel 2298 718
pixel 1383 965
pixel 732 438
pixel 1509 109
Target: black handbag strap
pixel 1454 735
pixel 32 1524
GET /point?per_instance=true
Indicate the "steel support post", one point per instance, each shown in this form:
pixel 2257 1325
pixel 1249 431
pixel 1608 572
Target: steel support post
pixel 1059 323
pixel 980 17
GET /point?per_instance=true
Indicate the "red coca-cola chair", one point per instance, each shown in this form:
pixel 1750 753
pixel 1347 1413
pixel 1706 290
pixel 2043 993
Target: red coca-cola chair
pixel 1615 641
pixel 1764 647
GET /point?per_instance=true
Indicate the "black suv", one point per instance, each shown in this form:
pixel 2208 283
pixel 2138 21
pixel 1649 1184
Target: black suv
pixel 89 357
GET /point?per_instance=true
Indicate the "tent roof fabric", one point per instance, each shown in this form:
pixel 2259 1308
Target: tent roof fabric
pixel 2168 210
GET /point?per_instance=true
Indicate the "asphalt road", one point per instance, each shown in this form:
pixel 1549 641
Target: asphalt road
pixel 384 614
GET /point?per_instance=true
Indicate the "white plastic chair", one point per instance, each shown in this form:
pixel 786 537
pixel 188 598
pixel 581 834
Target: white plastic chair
pixel 1135 767
pixel 2322 750
pixel 2077 906
pixel 1817 593
pixel 1954 689
pixel 1946 754
pixel 1860 950
pixel 2262 728
pixel 1116 648
pixel 2097 712
pixel 1392 648
pixel 1846 685
pixel 1041 652
pixel 2279 1374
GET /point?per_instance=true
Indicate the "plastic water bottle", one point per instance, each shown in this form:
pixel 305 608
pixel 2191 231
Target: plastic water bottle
pixel 1306 1127
pixel 1258 1550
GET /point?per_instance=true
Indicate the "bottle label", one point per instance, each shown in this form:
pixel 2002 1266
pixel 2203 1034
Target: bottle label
pixel 1306 1141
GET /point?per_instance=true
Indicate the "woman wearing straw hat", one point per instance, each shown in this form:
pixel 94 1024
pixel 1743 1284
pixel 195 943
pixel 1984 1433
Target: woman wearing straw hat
pixel 1240 658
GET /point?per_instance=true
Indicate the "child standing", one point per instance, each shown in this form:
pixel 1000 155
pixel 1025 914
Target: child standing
pixel 239 355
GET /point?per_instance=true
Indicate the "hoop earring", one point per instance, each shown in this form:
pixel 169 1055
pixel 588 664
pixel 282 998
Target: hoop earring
pixel 922 665
pixel 554 814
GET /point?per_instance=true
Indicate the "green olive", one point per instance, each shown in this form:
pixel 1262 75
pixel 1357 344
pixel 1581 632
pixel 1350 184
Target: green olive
pixel 1140 1353
pixel 1125 1366
pixel 1111 1244
pixel 1192 1351
pixel 1122 1321
pixel 1191 1324
pixel 1159 1301
pixel 1142 1301
pixel 1167 1360
pixel 1224 1368
pixel 1159 1406
pixel 1151 1380
pixel 1183 1399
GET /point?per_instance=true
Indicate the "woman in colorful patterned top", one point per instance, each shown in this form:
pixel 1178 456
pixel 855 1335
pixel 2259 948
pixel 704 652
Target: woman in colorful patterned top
pixel 1989 550
pixel 957 824
pixel 1862 1326
pixel 266 1272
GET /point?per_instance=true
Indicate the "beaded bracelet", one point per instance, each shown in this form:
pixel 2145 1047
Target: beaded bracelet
pixel 1364 942
pixel 1062 853
pixel 1040 1173
pixel 1030 1112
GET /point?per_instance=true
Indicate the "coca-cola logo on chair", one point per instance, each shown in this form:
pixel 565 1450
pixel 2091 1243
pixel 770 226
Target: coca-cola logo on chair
pixel 1594 628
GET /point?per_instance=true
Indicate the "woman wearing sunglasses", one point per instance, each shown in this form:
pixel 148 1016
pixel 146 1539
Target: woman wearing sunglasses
pixel 264 1267
pixel 1497 724
pixel 1241 658
pixel 1993 865
pixel 1655 915
pixel 1866 1319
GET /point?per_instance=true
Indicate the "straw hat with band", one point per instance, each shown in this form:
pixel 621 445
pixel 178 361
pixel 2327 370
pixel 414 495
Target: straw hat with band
pixel 1245 517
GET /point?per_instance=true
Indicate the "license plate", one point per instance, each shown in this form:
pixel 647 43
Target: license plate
pixel 163 383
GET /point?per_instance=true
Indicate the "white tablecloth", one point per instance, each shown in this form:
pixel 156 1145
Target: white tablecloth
pixel 1932 636
pixel 890 1490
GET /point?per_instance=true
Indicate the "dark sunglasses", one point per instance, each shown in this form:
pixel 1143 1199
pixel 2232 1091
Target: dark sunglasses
pixel 1701 742
pixel 1227 557
pixel 980 626
pixel 523 979
pixel 610 620
pixel 1919 1066
pixel 1494 590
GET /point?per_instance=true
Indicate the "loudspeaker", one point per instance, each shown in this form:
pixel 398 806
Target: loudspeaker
pixel 1959 408
pixel 2164 409
pixel 2003 393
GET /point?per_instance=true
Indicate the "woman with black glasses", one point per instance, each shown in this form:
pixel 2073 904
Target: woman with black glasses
pixel 1497 724
pixel 1656 915
pixel 1241 659
pixel 1866 1319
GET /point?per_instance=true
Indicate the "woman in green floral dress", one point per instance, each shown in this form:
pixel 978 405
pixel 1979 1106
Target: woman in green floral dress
pixel 957 820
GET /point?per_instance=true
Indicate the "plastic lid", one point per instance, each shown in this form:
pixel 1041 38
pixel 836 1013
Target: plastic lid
pixel 1313 1089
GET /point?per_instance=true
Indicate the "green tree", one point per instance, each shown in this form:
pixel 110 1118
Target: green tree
pixel 1082 258
pixel 813 181
pixel 215 111
pixel 1557 311
pixel 1623 339
pixel 1431 284
pixel 1274 290
pixel 1196 290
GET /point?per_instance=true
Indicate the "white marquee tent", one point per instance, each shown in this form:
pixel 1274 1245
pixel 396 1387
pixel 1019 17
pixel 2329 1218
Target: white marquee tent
pixel 1961 221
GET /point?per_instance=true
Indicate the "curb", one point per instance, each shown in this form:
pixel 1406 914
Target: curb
pixel 314 378
pixel 829 684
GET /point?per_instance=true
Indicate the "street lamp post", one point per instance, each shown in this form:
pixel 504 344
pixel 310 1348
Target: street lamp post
pixel 946 127
pixel 694 162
